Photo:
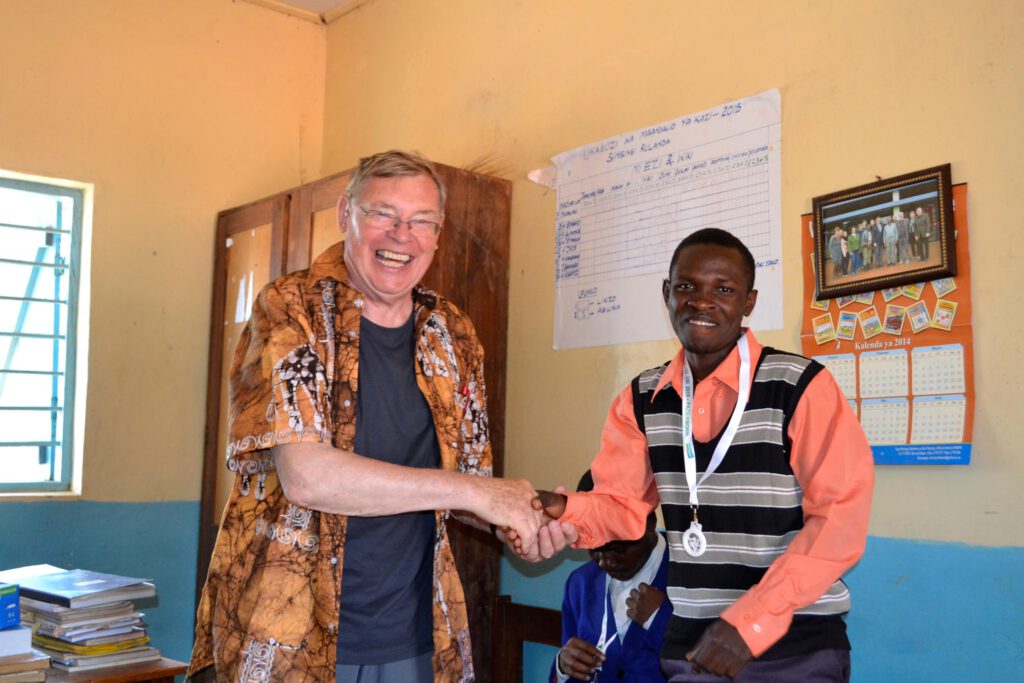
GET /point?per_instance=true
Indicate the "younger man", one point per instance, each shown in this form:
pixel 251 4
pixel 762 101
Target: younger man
pixel 615 610
pixel 763 475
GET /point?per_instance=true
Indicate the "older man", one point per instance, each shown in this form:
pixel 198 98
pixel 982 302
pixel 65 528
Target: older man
pixel 358 421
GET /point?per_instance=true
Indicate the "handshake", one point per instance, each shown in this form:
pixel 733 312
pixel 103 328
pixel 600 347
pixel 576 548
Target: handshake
pixel 527 520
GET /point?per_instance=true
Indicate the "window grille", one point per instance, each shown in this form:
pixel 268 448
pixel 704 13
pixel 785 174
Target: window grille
pixel 40 261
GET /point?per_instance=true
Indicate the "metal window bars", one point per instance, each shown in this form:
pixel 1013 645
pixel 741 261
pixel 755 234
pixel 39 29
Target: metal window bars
pixel 57 259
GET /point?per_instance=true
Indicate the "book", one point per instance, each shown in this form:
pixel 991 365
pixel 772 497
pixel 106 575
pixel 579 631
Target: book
pixel 53 646
pixel 71 662
pixel 9 613
pixel 114 638
pixel 31 661
pixel 24 677
pixel 84 588
pixel 47 610
pixel 18 573
pixel 15 641
pixel 90 632
pixel 79 624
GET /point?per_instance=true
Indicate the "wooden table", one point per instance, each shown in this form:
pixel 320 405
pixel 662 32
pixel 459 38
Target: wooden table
pixel 160 671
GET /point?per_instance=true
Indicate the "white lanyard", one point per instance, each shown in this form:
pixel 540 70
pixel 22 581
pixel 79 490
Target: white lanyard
pixel 690 461
pixel 606 638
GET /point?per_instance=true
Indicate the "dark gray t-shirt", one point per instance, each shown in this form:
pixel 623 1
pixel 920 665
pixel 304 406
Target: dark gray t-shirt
pixel 386 594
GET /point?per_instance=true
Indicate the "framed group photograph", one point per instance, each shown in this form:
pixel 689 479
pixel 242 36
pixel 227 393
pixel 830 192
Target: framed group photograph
pixel 884 234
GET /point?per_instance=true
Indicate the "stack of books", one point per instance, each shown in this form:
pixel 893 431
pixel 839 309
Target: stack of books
pixel 18 662
pixel 83 619
pixel 25 668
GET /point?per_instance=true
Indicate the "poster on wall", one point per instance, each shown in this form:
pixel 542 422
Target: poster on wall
pixel 625 202
pixel 903 356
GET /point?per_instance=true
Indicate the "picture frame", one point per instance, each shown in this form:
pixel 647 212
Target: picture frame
pixel 885 234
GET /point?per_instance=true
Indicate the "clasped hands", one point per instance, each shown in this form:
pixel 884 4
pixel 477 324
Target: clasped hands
pixel 537 533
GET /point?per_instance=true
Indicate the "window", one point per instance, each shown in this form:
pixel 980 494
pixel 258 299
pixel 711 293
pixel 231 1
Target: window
pixel 41 277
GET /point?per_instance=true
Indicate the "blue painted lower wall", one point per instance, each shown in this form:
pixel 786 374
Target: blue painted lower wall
pixel 156 541
pixel 922 611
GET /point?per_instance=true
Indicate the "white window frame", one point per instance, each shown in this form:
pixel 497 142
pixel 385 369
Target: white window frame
pixel 68 480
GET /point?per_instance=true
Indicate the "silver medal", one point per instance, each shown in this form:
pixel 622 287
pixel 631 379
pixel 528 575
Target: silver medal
pixel 694 541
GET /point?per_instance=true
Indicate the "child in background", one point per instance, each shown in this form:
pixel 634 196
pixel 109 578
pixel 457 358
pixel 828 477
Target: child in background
pixel 615 611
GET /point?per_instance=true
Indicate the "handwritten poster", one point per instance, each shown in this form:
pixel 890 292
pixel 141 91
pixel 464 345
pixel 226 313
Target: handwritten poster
pixel 903 357
pixel 624 203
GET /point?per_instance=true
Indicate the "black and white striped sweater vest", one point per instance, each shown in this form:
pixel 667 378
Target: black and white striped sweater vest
pixel 750 508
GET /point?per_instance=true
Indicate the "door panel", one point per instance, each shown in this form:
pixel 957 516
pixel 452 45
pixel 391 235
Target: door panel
pixel 247 269
pixel 314 218
pixel 249 251
pixel 324 231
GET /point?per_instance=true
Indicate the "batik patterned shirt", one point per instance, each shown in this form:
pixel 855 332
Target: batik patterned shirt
pixel 269 611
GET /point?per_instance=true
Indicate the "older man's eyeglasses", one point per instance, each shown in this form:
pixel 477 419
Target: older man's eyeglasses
pixel 385 220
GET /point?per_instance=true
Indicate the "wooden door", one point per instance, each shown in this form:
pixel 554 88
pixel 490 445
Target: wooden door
pixel 470 269
pixel 314 218
pixel 248 253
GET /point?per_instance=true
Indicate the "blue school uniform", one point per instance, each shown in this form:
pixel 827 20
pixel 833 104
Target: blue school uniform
pixel 586 603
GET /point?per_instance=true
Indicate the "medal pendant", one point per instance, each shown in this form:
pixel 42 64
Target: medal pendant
pixel 694 541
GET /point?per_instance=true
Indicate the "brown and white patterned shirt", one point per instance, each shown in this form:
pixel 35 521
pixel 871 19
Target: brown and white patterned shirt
pixel 269 611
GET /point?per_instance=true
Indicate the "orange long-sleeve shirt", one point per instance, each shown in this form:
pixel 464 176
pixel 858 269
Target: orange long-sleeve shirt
pixel 830 457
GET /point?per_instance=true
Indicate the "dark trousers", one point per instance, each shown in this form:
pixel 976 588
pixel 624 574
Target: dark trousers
pixel 823 666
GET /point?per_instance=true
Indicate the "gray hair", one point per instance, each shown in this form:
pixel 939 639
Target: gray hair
pixel 391 164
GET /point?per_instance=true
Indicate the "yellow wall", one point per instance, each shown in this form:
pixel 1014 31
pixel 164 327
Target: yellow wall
pixel 178 109
pixel 174 110
pixel 868 88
